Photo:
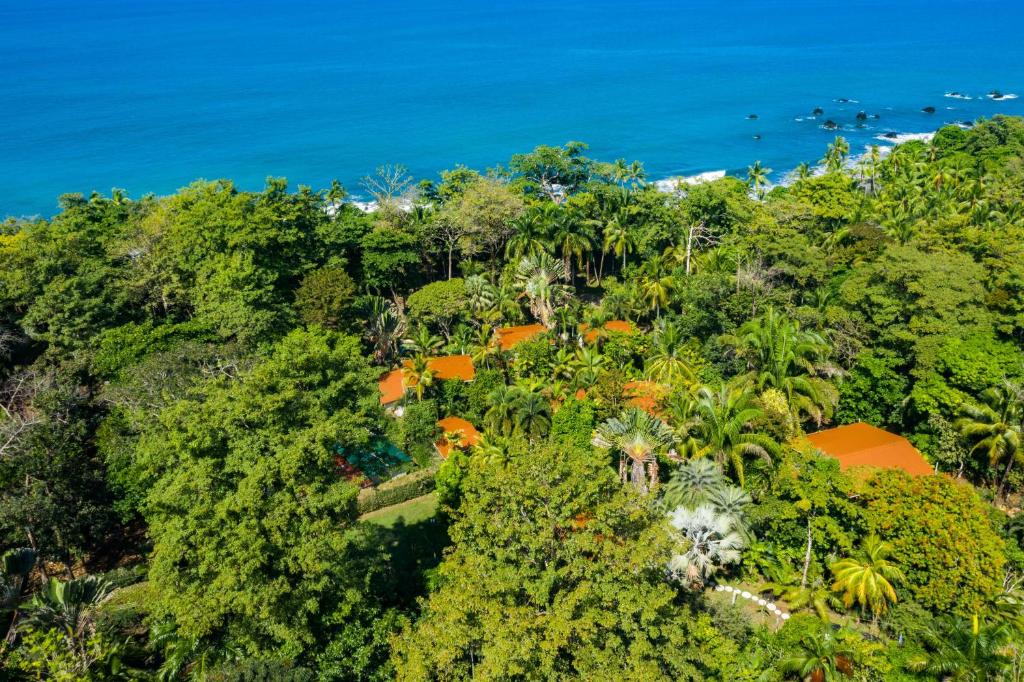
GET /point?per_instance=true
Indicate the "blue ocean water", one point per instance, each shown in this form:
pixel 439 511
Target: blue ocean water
pixel 149 95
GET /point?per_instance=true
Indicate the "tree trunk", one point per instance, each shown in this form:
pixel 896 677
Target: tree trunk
pixel 1006 474
pixel 689 248
pixel 451 248
pixel 639 476
pixel 807 555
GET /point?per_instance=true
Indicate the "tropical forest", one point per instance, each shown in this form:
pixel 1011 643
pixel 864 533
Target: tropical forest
pixel 544 421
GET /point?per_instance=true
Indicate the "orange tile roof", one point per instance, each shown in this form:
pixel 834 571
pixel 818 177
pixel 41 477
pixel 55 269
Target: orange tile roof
pixel 392 387
pixel 510 336
pixel 618 326
pixel 455 425
pixel 860 444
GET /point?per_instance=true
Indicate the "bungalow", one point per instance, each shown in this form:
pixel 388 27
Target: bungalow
pixel 467 433
pixel 864 445
pixel 510 336
pixel 616 326
pixel 392 385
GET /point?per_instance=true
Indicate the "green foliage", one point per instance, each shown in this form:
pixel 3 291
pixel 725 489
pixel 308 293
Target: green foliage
pixel 873 390
pixel 438 304
pixel 941 536
pixel 420 431
pixel 325 297
pixel 397 490
pixel 536 586
pixel 573 424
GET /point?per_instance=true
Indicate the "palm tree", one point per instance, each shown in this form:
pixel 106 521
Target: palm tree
pixel 671 360
pixel 656 283
pixel 994 426
pixel 500 417
pixel 723 431
pixel 480 294
pixel 418 375
pixel 538 278
pixel 779 354
pixel 637 437
pixel 692 483
pixel 817 596
pixel 803 171
pixel 532 415
pixel 572 241
pixel 757 178
pixel 711 541
pixel 588 364
pixel 386 325
pixel 966 651
pixel 820 659
pixel 836 155
pixel 423 342
pixel 527 239
pixel 618 238
pixel 68 607
pixel 867 577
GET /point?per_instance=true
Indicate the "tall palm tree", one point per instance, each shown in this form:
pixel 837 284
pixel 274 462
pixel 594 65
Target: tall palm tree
pixel 638 437
pixel 385 327
pixel 780 354
pixel 994 426
pixel 527 238
pixel 757 178
pixel 500 417
pixel 820 659
pixel 836 155
pixel 723 432
pixel 656 282
pixel 671 360
pixel 867 578
pixel 572 239
pixel 618 238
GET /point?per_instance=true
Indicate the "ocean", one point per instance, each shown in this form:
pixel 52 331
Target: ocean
pixel 147 95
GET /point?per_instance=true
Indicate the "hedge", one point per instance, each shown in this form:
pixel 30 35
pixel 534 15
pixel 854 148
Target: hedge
pixel 396 490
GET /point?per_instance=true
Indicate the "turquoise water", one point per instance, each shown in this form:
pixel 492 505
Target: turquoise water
pixel 149 95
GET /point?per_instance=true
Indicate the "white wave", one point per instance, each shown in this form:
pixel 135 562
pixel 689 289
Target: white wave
pixel 673 183
pixel 1000 96
pixel 957 95
pixel 905 137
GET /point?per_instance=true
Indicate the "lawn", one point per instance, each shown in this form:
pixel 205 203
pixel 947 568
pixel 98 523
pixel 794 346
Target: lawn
pixel 410 512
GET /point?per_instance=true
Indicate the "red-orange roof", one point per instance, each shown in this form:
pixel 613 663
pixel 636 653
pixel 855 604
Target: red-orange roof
pixel 392 387
pixel 860 444
pixel 510 336
pixel 618 326
pixel 470 435
pixel 645 394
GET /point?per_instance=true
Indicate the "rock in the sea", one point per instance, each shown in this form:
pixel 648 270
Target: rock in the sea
pixel 875 117
pixel 843 100
pixel 892 135
pixel 830 125
pixel 929 110
pixel 818 111
pixel 751 117
pixel 757 137
pixel 862 116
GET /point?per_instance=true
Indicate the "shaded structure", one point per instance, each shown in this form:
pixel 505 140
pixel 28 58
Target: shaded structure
pixel 616 326
pixel 467 435
pixel 864 445
pixel 393 385
pixel 510 336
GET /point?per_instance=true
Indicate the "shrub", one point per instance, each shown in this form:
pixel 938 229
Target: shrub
pixel 396 490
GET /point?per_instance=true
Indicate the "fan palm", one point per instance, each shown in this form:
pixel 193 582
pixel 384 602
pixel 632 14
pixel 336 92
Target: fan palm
pixel 537 277
pixel 637 437
pixel 386 325
pixel 480 294
pixel 711 542
pixel 966 651
pixel 994 426
pixel 692 483
pixel 723 431
pixel 867 577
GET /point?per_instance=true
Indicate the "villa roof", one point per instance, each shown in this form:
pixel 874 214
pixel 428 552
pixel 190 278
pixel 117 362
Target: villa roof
pixel 618 326
pixel 510 336
pixel 392 388
pixel 864 445
pixel 455 425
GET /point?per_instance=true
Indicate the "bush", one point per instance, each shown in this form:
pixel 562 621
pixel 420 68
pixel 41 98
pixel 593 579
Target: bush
pixel 573 423
pixel 396 490
pixel 325 297
pixel 419 431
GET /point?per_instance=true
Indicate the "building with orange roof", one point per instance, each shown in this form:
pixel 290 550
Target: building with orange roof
pixel 510 336
pixel 617 326
pixel 392 386
pixel 864 445
pixel 469 436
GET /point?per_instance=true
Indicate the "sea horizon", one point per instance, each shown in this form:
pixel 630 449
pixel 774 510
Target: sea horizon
pixel 151 98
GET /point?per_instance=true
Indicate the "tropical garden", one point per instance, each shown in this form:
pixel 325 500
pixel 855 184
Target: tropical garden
pixel 199 479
